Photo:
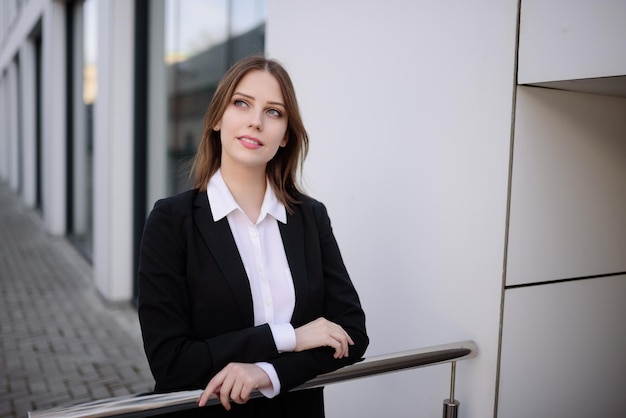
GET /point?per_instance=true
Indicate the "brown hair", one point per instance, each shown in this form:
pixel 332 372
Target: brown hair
pixel 282 169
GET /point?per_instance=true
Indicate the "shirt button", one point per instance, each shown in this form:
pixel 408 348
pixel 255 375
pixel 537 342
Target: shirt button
pixel 254 234
pixel 268 302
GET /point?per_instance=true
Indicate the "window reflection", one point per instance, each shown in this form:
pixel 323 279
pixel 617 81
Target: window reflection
pixel 85 69
pixel 202 39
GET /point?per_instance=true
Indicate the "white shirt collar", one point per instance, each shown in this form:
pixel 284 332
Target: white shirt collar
pixel 223 203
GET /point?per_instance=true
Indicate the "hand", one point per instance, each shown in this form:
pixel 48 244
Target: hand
pixel 235 382
pixel 323 333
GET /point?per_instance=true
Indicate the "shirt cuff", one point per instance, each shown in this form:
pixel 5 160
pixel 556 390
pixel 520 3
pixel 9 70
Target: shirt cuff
pixel 274 389
pixel 284 337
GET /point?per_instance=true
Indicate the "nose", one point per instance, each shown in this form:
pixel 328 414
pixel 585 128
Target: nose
pixel 256 121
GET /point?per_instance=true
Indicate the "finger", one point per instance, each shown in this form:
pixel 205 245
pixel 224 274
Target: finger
pixel 204 398
pixel 238 393
pixel 216 381
pixel 344 349
pixel 206 395
pixel 235 391
pixel 337 346
pixel 346 342
pixel 245 394
pixel 212 387
pixel 225 393
pixel 246 390
pixel 225 400
pixel 340 343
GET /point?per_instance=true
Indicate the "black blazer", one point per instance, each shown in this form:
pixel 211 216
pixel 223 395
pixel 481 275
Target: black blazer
pixel 195 304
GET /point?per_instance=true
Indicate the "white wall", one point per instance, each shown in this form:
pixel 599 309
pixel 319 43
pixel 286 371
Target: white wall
pixel 568 196
pixel 563 350
pixel 563 342
pixel 565 40
pixel 408 105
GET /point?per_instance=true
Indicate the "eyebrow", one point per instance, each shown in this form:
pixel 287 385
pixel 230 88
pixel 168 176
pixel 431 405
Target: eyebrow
pixel 252 98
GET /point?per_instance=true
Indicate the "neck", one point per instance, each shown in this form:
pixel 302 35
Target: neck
pixel 248 189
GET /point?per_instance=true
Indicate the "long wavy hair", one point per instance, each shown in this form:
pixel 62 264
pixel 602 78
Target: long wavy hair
pixel 282 170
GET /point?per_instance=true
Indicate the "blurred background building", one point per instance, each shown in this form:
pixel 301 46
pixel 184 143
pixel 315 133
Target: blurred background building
pixel 472 155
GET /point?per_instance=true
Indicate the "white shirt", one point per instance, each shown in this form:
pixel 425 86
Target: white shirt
pixel 261 249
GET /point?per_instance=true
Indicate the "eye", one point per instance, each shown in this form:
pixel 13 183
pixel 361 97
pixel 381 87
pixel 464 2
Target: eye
pixel 274 112
pixel 240 103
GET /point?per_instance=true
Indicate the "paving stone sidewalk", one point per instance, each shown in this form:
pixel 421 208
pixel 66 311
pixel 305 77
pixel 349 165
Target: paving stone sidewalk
pixel 60 344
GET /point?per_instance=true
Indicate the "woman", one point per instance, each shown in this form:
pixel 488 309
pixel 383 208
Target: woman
pixel 241 282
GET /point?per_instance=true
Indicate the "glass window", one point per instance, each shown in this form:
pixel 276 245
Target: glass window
pixel 84 97
pixel 202 39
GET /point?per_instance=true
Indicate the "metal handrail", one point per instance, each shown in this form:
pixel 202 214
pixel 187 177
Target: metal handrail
pixel 146 405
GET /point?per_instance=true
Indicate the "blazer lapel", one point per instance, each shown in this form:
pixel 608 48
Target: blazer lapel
pixel 293 240
pixel 220 242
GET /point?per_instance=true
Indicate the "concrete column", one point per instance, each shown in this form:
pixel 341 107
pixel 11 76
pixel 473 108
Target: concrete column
pixel 28 122
pixel 113 151
pixel 53 134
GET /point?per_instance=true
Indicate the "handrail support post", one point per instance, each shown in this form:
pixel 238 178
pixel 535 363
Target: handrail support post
pixel 451 406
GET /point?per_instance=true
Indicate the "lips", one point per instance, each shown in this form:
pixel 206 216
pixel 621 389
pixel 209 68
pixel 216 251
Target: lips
pixel 250 141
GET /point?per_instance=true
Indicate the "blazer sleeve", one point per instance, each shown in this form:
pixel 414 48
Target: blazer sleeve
pixel 178 358
pixel 340 304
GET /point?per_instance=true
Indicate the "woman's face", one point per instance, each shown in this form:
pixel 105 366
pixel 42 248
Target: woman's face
pixel 254 124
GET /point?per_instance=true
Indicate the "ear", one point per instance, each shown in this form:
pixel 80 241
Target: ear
pixel 284 141
pixel 218 126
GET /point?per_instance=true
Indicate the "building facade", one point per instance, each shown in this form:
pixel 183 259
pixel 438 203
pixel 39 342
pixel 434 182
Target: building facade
pixel 472 155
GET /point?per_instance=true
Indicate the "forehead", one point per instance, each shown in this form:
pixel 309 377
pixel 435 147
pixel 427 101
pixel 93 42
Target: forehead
pixel 261 85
